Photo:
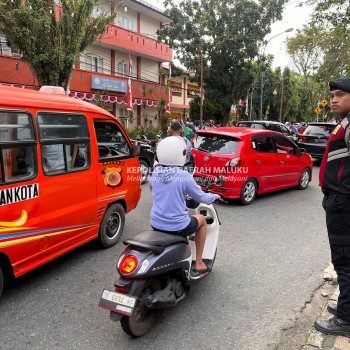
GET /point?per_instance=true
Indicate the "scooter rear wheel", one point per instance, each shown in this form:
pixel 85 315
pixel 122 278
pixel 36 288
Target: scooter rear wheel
pixel 143 318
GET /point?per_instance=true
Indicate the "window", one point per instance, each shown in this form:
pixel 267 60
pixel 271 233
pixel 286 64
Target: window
pixel 125 22
pixel 280 128
pixel 123 113
pixel 123 68
pixel 4 48
pixel 251 125
pixel 176 88
pixel 17 147
pixel 214 144
pixel 193 90
pixel 283 145
pixel 319 130
pixel 111 142
pixel 93 63
pixel 65 145
pixel 263 144
pixel 97 11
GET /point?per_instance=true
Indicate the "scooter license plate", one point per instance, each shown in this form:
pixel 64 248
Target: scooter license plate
pixel 117 302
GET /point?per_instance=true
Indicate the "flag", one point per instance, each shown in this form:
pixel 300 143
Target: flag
pixel 246 106
pixel 129 92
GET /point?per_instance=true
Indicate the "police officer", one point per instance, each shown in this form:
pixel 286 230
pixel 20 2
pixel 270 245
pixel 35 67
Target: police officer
pixel 335 183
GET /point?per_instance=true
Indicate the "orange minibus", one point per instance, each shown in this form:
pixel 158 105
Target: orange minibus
pixel 68 174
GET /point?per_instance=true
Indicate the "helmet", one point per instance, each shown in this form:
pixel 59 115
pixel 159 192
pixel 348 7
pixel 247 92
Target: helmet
pixel 172 151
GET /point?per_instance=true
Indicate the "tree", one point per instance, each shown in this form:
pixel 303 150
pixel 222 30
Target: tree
pixel 333 13
pixel 305 49
pixel 226 35
pixel 336 54
pixel 50 38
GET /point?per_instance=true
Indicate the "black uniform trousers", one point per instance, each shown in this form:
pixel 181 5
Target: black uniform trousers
pixel 337 207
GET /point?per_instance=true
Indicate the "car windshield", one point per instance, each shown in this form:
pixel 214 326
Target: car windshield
pixel 216 144
pixel 323 130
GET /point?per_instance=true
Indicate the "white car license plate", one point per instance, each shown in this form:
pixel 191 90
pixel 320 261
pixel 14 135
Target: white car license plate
pixel 118 302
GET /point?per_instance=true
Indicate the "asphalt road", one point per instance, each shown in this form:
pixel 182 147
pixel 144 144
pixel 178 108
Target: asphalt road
pixel 270 260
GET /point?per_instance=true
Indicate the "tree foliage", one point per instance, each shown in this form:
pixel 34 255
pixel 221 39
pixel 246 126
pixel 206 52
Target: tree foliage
pixel 228 35
pixel 51 38
pixel 335 13
pixel 305 49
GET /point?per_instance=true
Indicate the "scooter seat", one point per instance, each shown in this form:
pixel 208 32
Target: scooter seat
pixel 155 241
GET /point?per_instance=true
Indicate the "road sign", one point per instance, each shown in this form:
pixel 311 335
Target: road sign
pixel 318 110
pixel 324 103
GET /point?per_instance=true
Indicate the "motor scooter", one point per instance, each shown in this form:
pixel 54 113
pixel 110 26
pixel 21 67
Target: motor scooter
pixel 156 272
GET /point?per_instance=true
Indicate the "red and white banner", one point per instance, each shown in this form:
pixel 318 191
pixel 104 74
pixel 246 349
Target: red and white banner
pixel 129 92
pixel 246 106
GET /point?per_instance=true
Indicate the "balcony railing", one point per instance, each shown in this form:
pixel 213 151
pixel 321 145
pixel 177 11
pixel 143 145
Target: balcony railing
pixel 140 44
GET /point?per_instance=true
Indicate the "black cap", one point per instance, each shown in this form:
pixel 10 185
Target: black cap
pixel 176 126
pixel 340 84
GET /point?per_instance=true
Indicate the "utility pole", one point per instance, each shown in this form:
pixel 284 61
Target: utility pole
pixel 281 105
pixel 201 83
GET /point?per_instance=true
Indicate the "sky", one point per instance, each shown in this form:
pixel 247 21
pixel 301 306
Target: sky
pixel 293 17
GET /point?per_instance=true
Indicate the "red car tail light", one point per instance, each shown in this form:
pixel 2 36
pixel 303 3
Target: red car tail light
pixel 128 264
pixel 233 162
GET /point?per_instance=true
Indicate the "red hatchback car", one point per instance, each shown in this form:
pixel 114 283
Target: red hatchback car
pixel 244 162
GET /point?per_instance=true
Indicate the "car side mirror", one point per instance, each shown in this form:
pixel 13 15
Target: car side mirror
pixel 136 148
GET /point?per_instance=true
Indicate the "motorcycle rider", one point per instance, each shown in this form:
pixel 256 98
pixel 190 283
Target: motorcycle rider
pixel 170 185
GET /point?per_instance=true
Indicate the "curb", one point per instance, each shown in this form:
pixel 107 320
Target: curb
pixel 320 341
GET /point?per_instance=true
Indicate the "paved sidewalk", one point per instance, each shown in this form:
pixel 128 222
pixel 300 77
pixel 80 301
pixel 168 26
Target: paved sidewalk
pixel 319 341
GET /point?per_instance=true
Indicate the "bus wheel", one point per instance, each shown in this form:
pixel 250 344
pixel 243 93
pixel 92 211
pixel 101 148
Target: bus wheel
pixel 112 225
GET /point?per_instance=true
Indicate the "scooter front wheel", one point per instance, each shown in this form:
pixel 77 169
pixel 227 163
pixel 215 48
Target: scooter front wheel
pixel 143 318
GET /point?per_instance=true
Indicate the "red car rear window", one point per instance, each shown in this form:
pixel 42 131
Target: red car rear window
pixel 216 144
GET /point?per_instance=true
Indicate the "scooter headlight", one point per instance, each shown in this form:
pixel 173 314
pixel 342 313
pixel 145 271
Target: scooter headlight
pixel 128 264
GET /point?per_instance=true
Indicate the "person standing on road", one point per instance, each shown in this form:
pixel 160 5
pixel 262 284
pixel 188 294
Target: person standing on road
pixel 176 130
pixel 335 183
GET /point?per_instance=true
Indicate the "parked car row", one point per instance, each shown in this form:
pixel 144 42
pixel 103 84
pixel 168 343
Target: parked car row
pixel 314 138
pixel 269 125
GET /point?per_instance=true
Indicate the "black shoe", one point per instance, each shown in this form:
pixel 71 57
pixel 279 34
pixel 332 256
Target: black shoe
pixel 332 308
pixel 333 326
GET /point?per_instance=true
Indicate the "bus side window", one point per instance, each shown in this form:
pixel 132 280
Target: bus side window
pixel 110 140
pixel 17 147
pixel 65 143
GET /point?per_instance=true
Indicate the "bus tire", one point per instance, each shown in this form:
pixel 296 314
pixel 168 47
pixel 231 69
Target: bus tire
pixel 1 281
pixel 112 225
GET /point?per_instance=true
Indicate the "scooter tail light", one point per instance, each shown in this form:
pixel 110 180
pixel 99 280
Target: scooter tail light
pixel 128 264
